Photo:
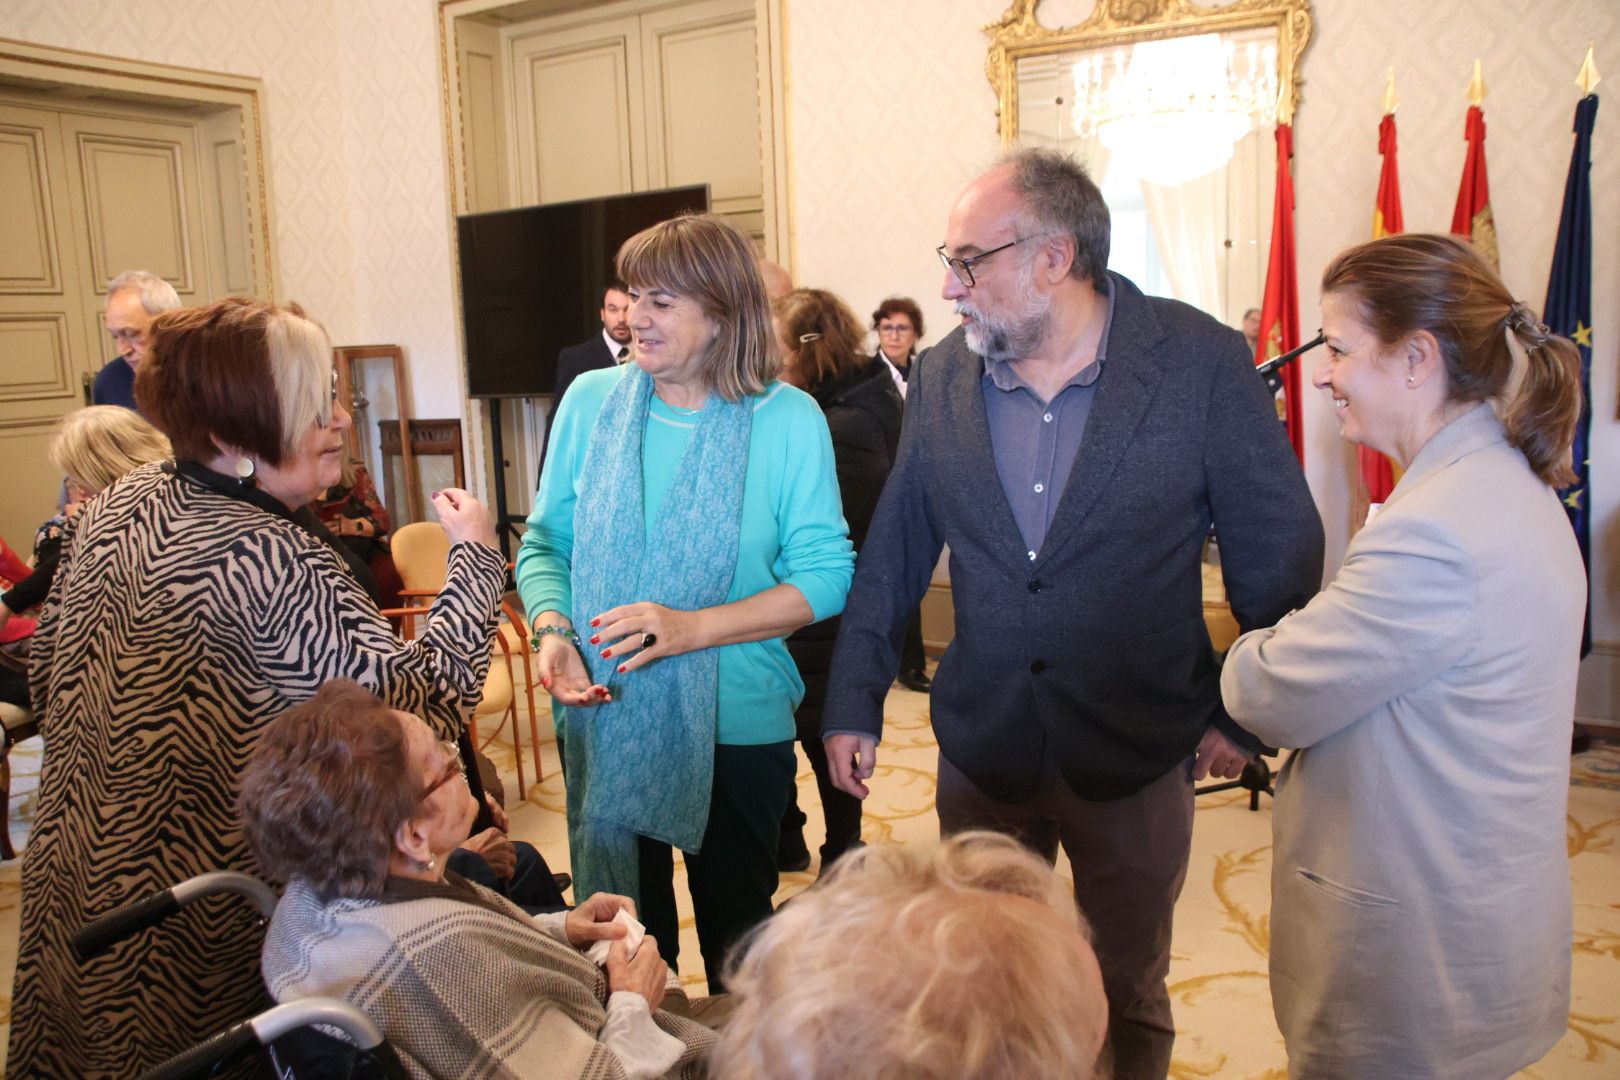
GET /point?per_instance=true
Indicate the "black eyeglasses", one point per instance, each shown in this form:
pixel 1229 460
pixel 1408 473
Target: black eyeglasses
pixel 452 769
pixel 963 268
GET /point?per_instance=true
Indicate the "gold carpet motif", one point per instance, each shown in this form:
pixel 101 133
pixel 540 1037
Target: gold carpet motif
pixel 1218 967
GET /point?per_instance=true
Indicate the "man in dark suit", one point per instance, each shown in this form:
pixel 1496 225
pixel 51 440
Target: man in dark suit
pixel 1072 443
pixel 611 346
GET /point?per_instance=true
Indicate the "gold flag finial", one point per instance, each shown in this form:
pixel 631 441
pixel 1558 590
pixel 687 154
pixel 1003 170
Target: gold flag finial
pixel 1390 100
pixel 1588 78
pixel 1476 86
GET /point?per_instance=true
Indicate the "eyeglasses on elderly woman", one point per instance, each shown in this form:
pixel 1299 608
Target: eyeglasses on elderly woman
pixel 453 767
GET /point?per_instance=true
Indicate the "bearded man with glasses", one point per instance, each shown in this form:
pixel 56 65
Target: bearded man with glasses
pixel 1073 442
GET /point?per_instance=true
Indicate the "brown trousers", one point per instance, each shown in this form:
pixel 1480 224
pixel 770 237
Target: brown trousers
pixel 1130 859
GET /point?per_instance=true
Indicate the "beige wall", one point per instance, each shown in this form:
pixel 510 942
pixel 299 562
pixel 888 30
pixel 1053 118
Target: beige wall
pixel 889 112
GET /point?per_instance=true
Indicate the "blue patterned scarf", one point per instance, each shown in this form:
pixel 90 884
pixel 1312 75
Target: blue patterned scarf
pixel 643 764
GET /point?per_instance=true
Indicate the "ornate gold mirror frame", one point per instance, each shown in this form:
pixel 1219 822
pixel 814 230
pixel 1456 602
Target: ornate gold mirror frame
pixel 1017 35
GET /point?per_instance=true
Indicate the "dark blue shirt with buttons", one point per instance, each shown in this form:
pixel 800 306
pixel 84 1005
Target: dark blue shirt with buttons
pixel 1035 442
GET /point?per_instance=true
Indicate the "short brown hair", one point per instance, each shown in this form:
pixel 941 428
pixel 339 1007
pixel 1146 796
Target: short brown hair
pixel 834 346
pixel 252 375
pixel 975 965
pixel 326 788
pixel 1426 281
pixel 899 305
pixel 704 258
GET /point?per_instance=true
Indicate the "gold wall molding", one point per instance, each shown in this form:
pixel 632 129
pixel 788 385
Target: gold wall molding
pixel 1018 34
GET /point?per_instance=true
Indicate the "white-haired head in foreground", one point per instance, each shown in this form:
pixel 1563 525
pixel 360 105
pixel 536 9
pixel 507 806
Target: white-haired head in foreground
pixel 970 962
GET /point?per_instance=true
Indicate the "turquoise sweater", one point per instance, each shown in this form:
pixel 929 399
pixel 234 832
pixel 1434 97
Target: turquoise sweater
pixel 793 532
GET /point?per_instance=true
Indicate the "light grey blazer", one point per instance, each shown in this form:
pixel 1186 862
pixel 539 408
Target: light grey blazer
pixel 1421 913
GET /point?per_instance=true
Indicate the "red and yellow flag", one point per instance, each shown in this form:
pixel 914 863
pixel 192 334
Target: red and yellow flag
pixel 1279 312
pixel 1377 474
pixel 1472 218
pixel 1387 210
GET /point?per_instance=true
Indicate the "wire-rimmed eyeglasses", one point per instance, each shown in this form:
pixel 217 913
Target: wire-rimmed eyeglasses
pixel 963 268
pixel 452 769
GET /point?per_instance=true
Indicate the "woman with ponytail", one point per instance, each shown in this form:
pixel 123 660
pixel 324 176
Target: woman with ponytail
pixel 1421 913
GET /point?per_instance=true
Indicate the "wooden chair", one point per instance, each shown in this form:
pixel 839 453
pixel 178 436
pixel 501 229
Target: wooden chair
pixel 422 555
pixel 19 723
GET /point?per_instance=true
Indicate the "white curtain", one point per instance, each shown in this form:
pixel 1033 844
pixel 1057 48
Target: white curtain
pixel 1186 222
pixel 1091 153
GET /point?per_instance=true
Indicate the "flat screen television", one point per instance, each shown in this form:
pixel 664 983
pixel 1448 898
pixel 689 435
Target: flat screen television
pixel 532 281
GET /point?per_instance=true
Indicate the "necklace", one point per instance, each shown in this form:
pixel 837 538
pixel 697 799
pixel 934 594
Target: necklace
pixel 678 409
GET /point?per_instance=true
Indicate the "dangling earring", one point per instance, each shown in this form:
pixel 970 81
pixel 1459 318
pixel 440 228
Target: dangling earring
pixel 244 470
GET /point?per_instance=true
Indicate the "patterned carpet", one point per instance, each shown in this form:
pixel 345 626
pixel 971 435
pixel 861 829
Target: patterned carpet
pixel 1218 980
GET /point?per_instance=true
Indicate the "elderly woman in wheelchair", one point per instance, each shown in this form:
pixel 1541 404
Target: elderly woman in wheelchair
pixel 355 807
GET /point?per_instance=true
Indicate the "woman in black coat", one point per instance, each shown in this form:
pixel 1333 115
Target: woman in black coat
pixel 821 343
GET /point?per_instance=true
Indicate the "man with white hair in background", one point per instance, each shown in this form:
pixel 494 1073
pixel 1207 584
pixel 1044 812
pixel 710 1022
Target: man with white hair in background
pixel 133 299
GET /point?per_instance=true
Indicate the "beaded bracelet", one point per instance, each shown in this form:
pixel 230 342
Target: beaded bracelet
pixel 562 631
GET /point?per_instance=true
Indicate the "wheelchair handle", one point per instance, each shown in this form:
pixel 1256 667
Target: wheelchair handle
pixel 272 1024
pixel 201 1059
pixel 98 936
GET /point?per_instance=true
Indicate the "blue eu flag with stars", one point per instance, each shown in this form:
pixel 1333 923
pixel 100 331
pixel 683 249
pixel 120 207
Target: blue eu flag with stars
pixel 1569 312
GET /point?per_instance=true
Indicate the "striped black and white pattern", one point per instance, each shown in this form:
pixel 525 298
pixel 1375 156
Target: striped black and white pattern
pixel 182 620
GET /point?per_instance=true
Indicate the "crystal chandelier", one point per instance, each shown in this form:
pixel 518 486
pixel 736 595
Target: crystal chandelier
pixel 1172 110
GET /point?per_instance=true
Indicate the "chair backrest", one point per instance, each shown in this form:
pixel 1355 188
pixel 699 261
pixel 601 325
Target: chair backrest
pixel 421 554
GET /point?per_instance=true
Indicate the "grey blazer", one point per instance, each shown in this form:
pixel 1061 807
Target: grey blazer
pixel 1095 653
pixel 1420 907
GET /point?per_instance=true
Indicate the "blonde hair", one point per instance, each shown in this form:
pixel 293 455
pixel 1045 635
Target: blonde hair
pixel 973 963
pixel 1425 281
pixel 95 446
pixel 701 257
pixel 302 367
pixel 823 337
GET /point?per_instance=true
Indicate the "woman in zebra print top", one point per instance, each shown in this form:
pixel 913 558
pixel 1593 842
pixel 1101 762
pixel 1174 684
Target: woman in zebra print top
pixel 193 605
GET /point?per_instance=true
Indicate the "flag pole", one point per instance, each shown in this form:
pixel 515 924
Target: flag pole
pixel 1588 78
pixel 1473 218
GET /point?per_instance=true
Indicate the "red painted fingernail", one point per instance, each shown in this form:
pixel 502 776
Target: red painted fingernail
pixel 435 495
pixel 596 639
pixel 606 653
pixel 621 669
pixel 596 622
pixel 546 683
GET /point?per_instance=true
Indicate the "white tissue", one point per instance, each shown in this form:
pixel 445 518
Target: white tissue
pixel 634 932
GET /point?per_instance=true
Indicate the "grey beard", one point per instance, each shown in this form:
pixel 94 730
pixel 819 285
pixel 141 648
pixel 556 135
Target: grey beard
pixel 1008 340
